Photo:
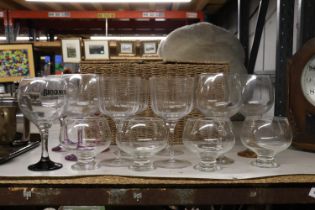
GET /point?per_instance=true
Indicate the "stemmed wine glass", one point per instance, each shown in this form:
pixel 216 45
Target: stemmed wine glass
pixel 257 99
pixel 267 137
pixel 42 100
pixel 218 95
pixel 119 98
pixel 82 102
pixel 171 99
pixel 143 105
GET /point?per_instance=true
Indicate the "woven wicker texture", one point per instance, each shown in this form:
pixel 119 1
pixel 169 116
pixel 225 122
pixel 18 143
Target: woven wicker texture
pixel 146 69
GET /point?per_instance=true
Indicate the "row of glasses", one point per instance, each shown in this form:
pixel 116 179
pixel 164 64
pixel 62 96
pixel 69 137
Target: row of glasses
pixel 216 96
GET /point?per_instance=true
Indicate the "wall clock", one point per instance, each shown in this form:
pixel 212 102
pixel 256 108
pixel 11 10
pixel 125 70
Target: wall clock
pixel 301 100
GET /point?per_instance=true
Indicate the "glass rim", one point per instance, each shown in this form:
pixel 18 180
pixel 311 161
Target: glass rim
pixel 86 118
pixel 139 118
pixel 170 76
pixel 221 119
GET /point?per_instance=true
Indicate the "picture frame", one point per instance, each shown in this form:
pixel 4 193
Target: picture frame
pixel 149 48
pixel 71 50
pixel 126 48
pixel 96 49
pixel 16 62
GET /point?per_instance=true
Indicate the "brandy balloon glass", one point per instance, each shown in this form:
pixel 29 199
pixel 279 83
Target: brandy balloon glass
pixel 266 137
pixel 218 95
pixel 142 137
pixel 208 138
pixel 92 136
pixel 257 99
pixel 42 100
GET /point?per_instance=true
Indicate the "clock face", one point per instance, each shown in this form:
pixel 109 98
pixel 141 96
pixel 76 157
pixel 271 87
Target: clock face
pixel 308 81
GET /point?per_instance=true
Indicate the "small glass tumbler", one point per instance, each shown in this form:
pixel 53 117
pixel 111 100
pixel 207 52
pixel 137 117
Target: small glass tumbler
pixel 266 137
pixel 208 138
pixel 92 136
pixel 142 137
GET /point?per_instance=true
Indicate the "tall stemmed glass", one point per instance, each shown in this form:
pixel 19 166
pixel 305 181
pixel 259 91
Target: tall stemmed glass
pixel 82 102
pixel 257 99
pixel 119 98
pixel 171 99
pixel 218 95
pixel 42 100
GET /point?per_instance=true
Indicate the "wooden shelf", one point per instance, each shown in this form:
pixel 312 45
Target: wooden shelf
pixel 47 44
pixel 117 190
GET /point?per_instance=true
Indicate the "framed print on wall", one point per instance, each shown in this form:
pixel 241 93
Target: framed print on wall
pixel 149 48
pixel 96 50
pixel 71 50
pixel 126 48
pixel 16 62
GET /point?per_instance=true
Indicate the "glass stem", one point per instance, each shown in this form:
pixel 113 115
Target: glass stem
pixel 171 126
pixel 63 133
pixel 43 128
pixel 119 125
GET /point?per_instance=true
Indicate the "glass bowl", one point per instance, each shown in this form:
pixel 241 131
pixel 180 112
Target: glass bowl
pixel 266 137
pixel 92 136
pixel 209 139
pixel 142 137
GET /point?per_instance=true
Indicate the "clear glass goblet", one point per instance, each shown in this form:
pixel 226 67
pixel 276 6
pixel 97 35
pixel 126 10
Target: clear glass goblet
pixel 82 102
pixel 119 98
pixel 257 95
pixel 42 100
pixel 266 137
pixel 92 136
pixel 219 95
pixel 171 99
pixel 257 99
pixel 142 137
pixel 208 138
pixel 143 105
pixel 144 96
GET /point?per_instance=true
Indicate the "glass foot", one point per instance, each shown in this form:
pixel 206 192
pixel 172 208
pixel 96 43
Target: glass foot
pixel 116 162
pixel 247 154
pixel 166 152
pixel 80 166
pixel 172 163
pixel 122 153
pixel 223 160
pixel 58 148
pixel 265 163
pixel 203 168
pixel 71 157
pixel 142 165
pixel 45 164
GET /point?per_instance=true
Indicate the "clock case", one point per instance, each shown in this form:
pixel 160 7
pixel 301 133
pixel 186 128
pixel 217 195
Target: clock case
pixel 301 112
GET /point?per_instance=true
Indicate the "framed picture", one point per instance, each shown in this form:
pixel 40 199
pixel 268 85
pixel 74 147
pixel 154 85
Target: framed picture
pixel 126 48
pixel 96 50
pixel 16 62
pixel 149 48
pixel 71 50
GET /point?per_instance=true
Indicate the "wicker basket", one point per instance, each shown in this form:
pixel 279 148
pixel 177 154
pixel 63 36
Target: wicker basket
pixel 146 69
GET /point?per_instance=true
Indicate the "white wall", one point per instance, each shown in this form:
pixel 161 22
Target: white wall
pixel 266 58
